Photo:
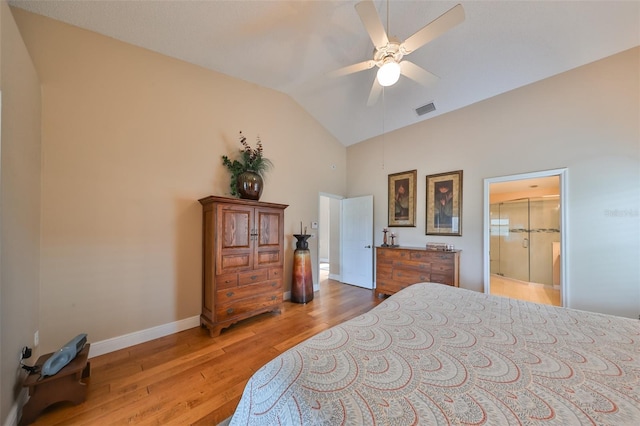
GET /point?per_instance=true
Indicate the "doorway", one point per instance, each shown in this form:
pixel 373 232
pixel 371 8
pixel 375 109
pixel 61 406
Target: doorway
pixel 329 237
pixel 345 239
pixel 524 236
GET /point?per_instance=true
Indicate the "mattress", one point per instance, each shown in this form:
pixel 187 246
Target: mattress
pixel 434 354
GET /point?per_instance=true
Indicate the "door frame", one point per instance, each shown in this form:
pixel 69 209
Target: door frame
pixel 564 232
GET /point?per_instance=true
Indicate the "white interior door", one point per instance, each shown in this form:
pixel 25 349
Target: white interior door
pixel 357 241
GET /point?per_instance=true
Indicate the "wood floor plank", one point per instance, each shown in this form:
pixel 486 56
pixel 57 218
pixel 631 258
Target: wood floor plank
pixel 170 368
pixel 189 378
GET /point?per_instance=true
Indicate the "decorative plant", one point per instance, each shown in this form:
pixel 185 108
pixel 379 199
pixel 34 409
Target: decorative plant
pixel 250 160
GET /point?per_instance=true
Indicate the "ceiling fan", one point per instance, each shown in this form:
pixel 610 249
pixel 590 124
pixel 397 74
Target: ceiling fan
pixel 389 52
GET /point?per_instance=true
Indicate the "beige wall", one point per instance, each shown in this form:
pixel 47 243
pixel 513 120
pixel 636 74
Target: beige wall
pixel 131 140
pixel 19 207
pixel 586 120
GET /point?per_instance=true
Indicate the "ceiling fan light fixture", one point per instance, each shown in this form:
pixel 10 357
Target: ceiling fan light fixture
pixel 389 73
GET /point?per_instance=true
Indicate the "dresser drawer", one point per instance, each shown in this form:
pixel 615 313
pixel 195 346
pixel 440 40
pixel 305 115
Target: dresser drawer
pixel 250 277
pixel 229 295
pixel 244 306
pixel 442 267
pixel 443 256
pixel 227 281
pixel 442 279
pixel 410 277
pixel 393 254
pixel 275 274
pixel 411 265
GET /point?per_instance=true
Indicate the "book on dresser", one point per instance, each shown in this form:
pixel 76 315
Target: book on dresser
pixel 243 260
pixel 399 267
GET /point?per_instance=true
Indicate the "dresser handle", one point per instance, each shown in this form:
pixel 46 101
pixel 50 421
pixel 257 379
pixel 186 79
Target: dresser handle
pixel 273 297
pixel 273 284
pixel 230 311
pixel 229 293
pixel 227 281
pixel 253 277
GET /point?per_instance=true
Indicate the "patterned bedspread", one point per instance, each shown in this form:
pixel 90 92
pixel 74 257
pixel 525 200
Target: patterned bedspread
pixel 434 354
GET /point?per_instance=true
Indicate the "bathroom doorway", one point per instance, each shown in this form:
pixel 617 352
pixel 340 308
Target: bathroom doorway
pixel 525 233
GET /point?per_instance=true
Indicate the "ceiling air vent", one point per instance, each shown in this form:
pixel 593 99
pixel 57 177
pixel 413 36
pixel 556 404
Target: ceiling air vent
pixel 426 109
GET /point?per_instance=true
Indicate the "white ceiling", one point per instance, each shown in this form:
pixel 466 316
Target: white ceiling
pixel 290 46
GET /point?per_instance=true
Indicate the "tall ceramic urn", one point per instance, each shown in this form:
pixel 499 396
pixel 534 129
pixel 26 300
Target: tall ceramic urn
pixel 302 281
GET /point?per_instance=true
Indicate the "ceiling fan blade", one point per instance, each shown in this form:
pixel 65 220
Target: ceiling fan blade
pixel 371 20
pixel 362 66
pixel 415 73
pixel 376 89
pixel 435 28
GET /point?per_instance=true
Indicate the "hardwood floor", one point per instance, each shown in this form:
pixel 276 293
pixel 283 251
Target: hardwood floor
pixel 190 378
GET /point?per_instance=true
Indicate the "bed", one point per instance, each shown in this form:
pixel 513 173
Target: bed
pixel 435 354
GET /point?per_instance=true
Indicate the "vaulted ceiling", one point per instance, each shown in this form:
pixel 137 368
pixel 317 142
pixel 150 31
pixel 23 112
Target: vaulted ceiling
pixel 291 46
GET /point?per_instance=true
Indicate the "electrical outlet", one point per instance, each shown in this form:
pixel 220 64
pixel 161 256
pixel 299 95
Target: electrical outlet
pixel 36 338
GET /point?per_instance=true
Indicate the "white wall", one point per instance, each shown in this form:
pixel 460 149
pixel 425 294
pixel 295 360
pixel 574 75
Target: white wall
pixel 585 120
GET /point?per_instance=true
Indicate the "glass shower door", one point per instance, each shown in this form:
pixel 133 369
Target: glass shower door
pixel 523 235
pixel 545 231
pixel 514 246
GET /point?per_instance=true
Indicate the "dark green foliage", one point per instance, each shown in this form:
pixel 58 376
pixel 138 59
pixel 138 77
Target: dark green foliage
pixel 250 159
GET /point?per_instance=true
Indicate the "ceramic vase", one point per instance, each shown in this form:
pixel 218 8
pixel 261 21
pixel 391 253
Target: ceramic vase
pixel 249 185
pixel 302 281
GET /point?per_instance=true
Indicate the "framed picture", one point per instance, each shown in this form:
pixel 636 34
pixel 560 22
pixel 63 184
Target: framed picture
pixel 444 204
pixel 402 198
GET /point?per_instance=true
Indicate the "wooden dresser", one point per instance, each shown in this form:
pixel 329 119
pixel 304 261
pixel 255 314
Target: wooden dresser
pixel 243 260
pixel 399 267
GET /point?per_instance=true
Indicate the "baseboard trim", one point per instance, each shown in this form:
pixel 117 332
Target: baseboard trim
pixel 116 343
pixel 12 417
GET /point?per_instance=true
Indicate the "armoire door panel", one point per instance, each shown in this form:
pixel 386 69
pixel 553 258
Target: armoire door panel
pixel 269 228
pixel 236 228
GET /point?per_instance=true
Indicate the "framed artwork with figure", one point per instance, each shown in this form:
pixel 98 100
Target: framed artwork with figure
pixel 444 204
pixel 402 198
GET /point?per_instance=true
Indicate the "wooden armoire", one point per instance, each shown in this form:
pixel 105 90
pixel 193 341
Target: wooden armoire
pixel 243 260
